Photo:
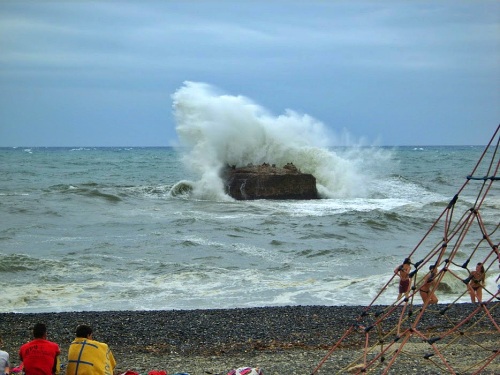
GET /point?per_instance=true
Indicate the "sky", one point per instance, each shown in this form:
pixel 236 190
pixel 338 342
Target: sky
pixel 103 73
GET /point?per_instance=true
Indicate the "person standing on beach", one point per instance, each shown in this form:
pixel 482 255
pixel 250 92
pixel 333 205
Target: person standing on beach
pixel 495 249
pixel 476 283
pixel 89 357
pixel 426 290
pixel 4 360
pixel 40 356
pixel 403 271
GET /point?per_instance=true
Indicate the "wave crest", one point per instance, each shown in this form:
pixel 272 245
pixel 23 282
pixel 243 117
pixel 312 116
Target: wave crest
pixel 222 129
pixel 182 189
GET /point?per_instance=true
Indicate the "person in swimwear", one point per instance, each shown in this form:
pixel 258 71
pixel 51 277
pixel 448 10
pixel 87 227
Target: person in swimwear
pixel 426 290
pixel 476 283
pixel 403 271
pixel 495 249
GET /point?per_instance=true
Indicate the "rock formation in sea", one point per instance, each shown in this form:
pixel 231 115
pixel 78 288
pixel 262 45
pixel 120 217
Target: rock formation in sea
pixel 267 181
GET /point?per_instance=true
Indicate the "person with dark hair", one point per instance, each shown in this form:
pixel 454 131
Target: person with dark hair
pixel 87 356
pixel 426 290
pixel 476 283
pixel 4 360
pixel 83 331
pixel 40 356
pixel 403 271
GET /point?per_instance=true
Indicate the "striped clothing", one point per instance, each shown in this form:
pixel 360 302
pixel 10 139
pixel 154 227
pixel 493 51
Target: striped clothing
pixel 89 357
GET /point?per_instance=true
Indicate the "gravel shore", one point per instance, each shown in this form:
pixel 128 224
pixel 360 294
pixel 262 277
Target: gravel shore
pixel 280 340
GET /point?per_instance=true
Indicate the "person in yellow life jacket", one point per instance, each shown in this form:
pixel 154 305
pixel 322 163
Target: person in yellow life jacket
pixel 89 357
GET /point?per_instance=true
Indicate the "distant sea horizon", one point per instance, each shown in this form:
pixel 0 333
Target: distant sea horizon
pixel 145 228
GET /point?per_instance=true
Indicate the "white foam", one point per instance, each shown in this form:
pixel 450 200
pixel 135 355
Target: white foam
pixel 222 129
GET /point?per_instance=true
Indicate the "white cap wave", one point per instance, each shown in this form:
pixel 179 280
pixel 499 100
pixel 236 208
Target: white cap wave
pixel 221 129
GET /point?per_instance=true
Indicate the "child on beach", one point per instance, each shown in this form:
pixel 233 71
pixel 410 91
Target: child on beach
pixel 476 283
pixel 426 290
pixel 403 271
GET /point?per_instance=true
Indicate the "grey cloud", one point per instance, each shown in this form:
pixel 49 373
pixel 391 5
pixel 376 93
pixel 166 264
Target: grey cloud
pixel 329 58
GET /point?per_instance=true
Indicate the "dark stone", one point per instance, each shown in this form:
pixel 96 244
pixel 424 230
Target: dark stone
pixel 269 182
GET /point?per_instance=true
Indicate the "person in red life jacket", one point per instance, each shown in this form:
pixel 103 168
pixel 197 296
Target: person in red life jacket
pixel 89 357
pixel 40 356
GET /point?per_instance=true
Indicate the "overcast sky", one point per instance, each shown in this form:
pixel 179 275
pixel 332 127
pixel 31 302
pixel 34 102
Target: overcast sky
pixel 102 73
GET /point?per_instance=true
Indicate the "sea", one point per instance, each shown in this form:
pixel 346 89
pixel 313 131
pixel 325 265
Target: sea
pixel 151 228
pixel 123 229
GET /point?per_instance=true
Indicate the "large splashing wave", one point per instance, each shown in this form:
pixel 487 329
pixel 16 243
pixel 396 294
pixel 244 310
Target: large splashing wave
pixel 221 129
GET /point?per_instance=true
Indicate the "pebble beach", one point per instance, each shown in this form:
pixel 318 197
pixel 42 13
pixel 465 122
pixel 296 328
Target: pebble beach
pixel 280 340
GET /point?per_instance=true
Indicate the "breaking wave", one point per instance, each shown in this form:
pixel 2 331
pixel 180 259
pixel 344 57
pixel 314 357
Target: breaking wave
pixel 221 129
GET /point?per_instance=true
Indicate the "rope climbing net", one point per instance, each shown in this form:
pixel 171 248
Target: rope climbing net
pixel 415 328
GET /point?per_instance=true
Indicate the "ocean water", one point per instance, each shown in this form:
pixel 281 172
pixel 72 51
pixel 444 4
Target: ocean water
pixel 121 228
pixel 151 228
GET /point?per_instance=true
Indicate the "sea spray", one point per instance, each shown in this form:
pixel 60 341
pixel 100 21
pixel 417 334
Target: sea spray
pixel 221 129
